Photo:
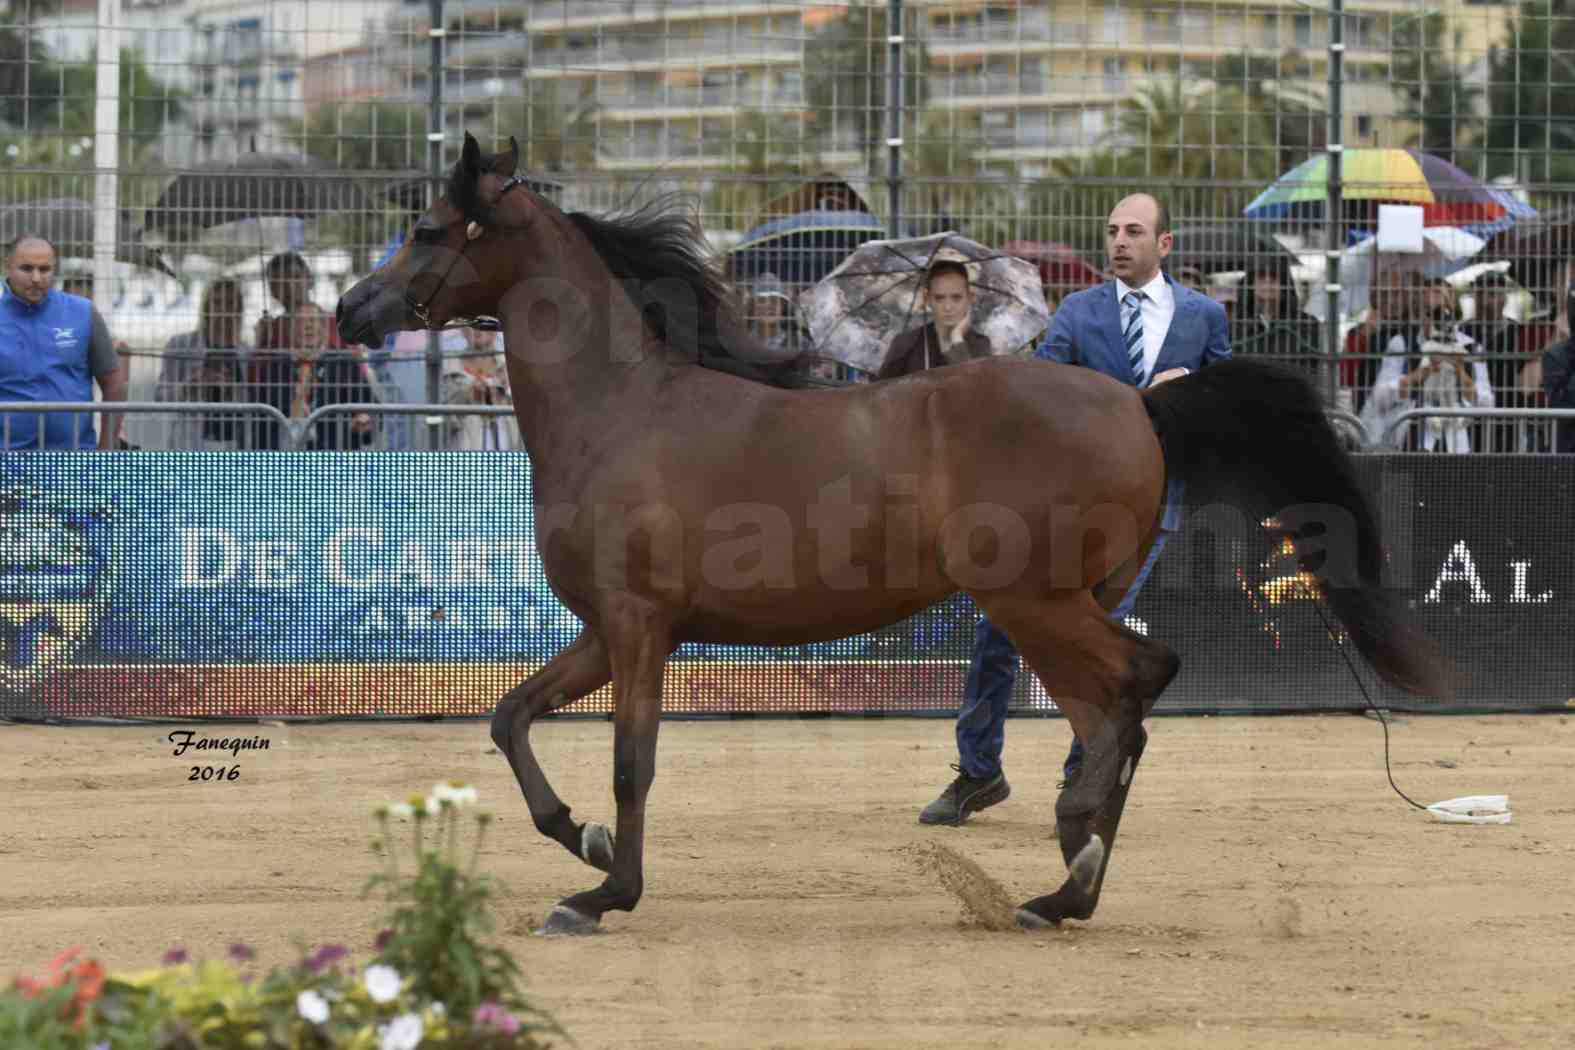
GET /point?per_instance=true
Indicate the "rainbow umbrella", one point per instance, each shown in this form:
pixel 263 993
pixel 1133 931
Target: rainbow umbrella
pixel 1369 177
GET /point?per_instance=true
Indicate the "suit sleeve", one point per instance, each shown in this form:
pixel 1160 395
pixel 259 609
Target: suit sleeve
pixel 1218 346
pixel 1058 343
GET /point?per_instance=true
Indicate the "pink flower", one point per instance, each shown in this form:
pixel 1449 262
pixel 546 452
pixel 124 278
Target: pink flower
pixel 326 956
pixel 383 939
pixel 242 952
pixel 175 956
pixel 492 1015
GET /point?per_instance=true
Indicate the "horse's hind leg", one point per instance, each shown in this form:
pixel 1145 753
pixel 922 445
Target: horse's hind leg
pixel 1116 675
pixel 579 669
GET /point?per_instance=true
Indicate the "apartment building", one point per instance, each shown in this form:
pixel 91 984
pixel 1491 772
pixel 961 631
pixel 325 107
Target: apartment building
pixel 238 64
pixel 673 83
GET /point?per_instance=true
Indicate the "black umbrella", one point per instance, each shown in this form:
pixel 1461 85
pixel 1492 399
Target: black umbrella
pixel 67 223
pixel 1537 250
pixel 1225 247
pixel 250 187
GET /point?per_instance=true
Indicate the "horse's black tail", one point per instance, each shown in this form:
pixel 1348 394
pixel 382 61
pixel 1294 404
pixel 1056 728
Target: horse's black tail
pixel 1254 436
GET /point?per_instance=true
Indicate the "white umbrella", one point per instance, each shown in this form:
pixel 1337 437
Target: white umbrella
pixel 1445 249
pixel 876 294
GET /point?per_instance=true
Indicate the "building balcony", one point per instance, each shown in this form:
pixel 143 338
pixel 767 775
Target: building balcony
pixel 748 96
pixel 657 51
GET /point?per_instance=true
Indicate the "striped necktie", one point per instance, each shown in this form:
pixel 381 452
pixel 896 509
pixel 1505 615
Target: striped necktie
pixel 1132 324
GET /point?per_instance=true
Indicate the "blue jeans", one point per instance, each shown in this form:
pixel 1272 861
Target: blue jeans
pixel 992 672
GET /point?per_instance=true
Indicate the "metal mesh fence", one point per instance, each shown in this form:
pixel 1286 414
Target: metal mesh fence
pixel 230 134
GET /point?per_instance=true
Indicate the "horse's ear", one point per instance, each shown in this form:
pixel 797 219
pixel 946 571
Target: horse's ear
pixel 470 156
pixel 504 163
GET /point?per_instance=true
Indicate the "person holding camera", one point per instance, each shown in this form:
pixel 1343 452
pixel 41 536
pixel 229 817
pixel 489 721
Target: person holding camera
pixel 1438 373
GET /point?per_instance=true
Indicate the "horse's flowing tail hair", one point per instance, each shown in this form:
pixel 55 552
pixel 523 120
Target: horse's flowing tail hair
pixel 1254 436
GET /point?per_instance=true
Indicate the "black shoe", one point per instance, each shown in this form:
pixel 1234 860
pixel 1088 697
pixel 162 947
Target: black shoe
pixel 966 795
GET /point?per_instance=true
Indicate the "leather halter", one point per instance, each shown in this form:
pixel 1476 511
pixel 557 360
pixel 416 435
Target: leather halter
pixel 482 322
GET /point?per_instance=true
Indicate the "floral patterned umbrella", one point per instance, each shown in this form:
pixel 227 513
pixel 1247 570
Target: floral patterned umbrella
pixel 877 294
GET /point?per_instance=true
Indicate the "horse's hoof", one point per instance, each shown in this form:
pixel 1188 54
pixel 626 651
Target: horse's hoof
pixel 1031 921
pixel 564 921
pixel 596 846
pixel 1068 902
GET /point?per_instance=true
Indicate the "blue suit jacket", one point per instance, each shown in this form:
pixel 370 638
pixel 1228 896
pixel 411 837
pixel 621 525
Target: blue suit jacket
pixel 1086 330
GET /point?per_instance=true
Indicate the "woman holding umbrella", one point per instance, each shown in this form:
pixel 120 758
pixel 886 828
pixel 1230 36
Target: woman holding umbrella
pixel 948 338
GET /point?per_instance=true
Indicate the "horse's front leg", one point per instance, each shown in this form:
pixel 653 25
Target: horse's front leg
pixel 579 669
pixel 638 639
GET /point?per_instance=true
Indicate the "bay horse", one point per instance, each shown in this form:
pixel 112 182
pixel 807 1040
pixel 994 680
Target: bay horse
pixel 676 503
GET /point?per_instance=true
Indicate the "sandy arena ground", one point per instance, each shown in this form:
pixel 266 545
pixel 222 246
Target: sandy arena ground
pixel 1268 889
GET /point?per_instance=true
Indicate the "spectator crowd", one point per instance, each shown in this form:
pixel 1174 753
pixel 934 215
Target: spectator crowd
pixel 1413 349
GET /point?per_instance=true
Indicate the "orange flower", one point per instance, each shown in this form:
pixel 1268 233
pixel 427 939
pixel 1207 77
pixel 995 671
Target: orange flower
pixel 87 977
pixel 57 965
pixel 90 980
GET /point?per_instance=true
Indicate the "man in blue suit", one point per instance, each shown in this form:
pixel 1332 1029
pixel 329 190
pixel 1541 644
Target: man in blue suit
pixel 1142 328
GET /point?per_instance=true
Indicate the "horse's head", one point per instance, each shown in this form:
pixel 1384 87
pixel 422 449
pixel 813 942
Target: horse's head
pixel 453 269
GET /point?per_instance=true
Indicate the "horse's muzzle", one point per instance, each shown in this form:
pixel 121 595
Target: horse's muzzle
pixel 368 312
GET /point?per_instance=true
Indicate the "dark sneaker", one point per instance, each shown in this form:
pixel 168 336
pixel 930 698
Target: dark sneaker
pixel 965 795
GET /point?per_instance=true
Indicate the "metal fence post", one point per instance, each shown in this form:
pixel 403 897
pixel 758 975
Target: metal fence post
pixel 436 31
pixel 1336 148
pixel 894 50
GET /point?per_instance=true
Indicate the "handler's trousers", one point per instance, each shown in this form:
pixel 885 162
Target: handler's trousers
pixel 992 672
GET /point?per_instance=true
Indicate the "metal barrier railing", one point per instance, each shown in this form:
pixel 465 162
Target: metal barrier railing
pixel 294 432
pixel 433 415
pixel 1350 419
pixel 222 409
pixel 1547 415
pixel 297 431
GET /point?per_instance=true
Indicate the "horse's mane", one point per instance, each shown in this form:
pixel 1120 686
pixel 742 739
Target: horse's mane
pixel 659 253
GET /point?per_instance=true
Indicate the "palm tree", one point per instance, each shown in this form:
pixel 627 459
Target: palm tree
pixel 1278 88
pixel 845 84
pixel 557 128
pixel 1171 129
pixel 1167 130
pixel 766 151
pixel 940 166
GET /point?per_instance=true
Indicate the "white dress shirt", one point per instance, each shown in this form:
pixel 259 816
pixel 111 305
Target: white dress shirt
pixel 1159 306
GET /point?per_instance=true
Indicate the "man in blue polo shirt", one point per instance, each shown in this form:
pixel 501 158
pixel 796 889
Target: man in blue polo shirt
pixel 53 346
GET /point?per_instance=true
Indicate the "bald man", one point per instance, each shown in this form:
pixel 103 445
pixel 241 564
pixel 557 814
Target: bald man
pixel 53 347
pixel 1142 328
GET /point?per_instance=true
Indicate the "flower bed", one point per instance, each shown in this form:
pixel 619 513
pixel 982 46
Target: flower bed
pixel 433 980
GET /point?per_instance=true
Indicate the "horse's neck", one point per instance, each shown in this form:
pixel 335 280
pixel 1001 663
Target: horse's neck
pixel 601 365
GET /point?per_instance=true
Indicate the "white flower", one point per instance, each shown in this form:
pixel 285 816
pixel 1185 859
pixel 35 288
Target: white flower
pixel 402 1033
pixel 454 793
pixel 312 1006
pixel 439 1010
pixel 434 806
pixel 402 810
pixel 382 983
